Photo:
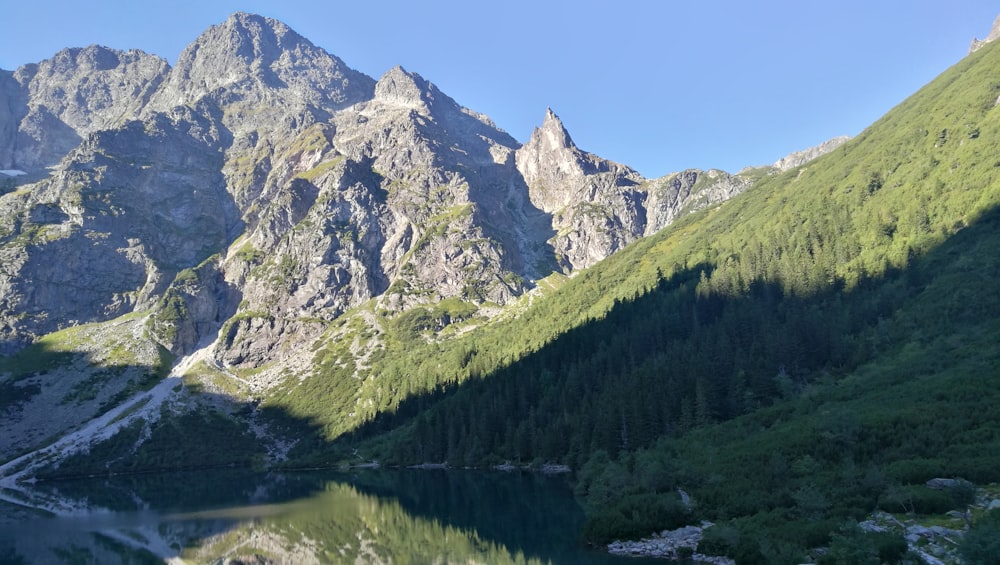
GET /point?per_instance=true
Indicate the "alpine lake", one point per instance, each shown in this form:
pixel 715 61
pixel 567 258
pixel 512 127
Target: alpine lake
pixel 363 516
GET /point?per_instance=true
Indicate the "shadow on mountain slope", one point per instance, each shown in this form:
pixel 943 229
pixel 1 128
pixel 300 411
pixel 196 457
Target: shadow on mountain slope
pixel 698 348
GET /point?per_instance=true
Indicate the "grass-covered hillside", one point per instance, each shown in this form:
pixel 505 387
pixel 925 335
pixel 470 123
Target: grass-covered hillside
pixel 794 359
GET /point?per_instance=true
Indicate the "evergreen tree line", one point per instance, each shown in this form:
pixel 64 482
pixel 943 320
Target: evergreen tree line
pixel 685 354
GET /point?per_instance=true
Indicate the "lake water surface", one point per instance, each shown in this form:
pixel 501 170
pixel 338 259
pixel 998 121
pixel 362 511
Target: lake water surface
pixel 383 516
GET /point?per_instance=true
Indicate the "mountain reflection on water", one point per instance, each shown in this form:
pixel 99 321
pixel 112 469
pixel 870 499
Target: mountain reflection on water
pixel 381 516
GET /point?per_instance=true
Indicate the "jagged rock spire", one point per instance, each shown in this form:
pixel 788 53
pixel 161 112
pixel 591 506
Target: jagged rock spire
pixel 553 133
pixel 550 152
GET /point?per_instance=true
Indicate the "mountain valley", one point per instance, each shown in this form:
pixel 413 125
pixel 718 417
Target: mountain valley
pixel 259 257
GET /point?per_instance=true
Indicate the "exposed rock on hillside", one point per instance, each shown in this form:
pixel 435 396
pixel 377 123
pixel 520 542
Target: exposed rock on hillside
pixel 993 36
pixel 127 208
pixel 598 206
pixel 798 158
pixel 681 193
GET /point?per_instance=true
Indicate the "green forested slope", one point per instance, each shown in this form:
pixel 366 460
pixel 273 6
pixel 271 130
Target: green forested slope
pixel 841 319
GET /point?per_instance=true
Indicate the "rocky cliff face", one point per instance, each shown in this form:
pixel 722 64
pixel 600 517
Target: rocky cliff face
pixel 106 232
pixel 598 206
pixel 676 194
pixel 263 187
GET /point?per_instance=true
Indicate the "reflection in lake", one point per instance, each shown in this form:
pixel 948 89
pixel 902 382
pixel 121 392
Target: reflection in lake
pixel 363 517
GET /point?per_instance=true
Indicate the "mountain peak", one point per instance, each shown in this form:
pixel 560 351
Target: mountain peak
pixel 552 134
pixel 248 18
pixel 252 53
pixel 246 37
pixel 266 32
pixel 74 93
pixel 401 87
pixel 91 58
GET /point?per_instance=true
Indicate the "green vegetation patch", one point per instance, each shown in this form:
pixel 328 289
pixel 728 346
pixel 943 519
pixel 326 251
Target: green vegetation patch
pixel 322 168
pixel 58 349
pixel 412 323
pixel 42 356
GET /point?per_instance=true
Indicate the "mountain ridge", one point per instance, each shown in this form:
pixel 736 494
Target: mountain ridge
pixel 243 89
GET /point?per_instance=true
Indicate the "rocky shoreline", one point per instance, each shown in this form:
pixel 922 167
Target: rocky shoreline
pixel 934 538
pixel 678 544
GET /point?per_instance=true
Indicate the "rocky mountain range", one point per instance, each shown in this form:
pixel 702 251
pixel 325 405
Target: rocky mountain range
pixel 258 189
pixel 336 188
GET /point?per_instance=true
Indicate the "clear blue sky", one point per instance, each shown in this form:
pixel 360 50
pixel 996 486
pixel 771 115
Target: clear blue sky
pixel 660 85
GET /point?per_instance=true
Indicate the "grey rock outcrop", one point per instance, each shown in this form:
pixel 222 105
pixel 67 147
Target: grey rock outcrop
pixel 670 544
pixel 13 108
pixel 992 36
pixel 95 240
pixel 676 194
pixel 598 206
pixel 798 158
